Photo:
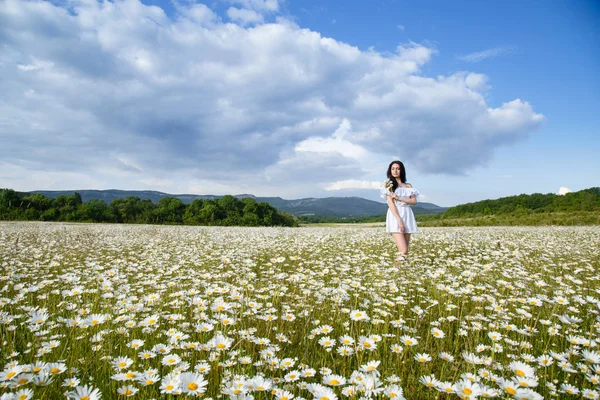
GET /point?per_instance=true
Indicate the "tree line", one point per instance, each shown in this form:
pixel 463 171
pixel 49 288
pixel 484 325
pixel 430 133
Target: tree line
pixel 225 211
pixel 574 208
pixel 583 200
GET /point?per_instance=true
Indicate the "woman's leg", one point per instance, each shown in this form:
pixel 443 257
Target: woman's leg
pixel 401 242
pixel 407 239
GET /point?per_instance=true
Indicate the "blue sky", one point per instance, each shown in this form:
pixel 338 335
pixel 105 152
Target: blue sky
pixel 300 98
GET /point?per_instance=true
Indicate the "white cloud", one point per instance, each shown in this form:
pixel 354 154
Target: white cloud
pixel 200 13
pixel 477 82
pixel 129 96
pixel 563 190
pixel 400 27
pixel 352 184
pixel 259 5
pixel 482 55
pixel 334 144
pixel 35 65
pixel 244 16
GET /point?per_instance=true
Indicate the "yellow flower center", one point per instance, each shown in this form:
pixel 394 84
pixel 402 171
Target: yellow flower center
pixel 511 390
pixel 192 386
pixel 10 375
pixel 149 382
pixel 84 398
pixel 520 372
pixel 169 387
pixel 130 375
pixel 467 391
pixel 54 370
pixel 334 382
pixel 128 392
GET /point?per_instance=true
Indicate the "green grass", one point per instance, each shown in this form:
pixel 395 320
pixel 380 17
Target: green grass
pixel 526 219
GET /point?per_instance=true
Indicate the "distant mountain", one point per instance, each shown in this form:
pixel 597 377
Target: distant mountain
pixel 328 206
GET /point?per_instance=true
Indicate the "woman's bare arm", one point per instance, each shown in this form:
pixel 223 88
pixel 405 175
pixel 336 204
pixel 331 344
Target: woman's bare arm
pixel 394 210
pixel 412 200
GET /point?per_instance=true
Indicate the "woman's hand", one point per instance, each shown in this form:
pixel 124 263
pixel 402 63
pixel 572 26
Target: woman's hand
pixel 400 225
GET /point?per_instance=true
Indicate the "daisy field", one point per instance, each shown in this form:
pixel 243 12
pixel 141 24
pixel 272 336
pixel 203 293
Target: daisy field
pixel 115 311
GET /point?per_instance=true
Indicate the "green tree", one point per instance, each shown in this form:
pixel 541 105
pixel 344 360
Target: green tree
pixel 10 201
pixel 94 210
pixel 67 206
pixel 250 212
pixel 132 210
pixel 211 214
pixel 169 210
pixel 191 216
pixel 37 201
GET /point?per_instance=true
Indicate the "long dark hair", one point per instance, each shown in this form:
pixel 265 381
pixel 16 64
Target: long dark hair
pixel 402 174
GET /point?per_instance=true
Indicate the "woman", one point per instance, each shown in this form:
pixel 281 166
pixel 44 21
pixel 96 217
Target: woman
pixel 400 220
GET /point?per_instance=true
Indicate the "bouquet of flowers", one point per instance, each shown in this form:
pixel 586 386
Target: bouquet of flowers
pixel 387 185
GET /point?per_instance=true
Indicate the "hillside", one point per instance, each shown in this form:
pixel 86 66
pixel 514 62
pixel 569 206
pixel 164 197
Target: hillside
pixel 345 207
pixel 224 211
pixel 583 200
pixel 574 208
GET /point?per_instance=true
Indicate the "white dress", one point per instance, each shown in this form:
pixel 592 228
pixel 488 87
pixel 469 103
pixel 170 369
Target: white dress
pixel 404 210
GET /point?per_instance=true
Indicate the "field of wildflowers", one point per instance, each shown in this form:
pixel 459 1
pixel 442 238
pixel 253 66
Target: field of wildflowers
pixel 116 311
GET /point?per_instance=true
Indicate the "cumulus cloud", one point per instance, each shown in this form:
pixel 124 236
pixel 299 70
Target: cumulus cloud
pixel 352 184
pixel 198 12
pixel 244 16
pixel 563 190
pixel 126 96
